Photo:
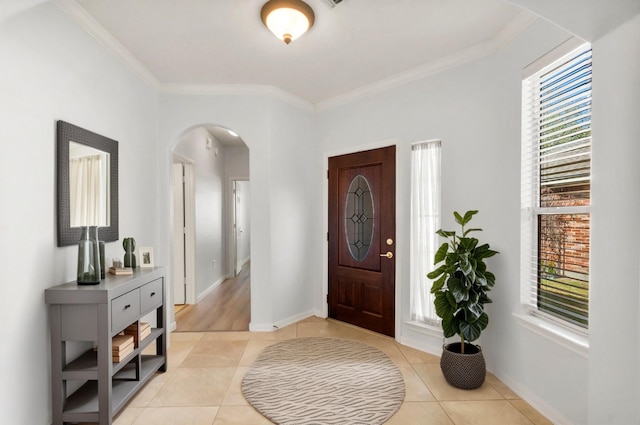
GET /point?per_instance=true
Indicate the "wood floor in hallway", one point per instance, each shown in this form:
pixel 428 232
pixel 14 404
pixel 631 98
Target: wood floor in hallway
pixel 226 308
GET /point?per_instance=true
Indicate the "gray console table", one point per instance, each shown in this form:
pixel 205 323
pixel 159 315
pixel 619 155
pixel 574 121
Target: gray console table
pixel 96 313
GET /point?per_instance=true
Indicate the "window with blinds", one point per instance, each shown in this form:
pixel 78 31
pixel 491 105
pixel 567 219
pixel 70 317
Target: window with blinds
pixel 556 188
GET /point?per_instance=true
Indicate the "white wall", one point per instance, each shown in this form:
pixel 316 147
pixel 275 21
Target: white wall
pixel 236 162
pixel 209 205
pixel 614 307
pixel 295 207
pixel 52 70
pixel 475 110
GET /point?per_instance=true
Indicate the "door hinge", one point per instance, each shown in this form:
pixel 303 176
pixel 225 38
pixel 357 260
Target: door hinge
pixel 327 236
pixel 327 173
pixel 327 298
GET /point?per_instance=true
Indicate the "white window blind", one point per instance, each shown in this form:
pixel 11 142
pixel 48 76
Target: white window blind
pixel 556 189
pixel 425 221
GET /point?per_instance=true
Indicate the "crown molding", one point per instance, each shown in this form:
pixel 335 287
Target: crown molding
pixel 505 37
pixel 509 33
pixel 237 90
pixel 104 38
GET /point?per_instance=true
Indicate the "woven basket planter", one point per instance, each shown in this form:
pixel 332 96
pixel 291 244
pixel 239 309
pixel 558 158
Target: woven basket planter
pixel 465 371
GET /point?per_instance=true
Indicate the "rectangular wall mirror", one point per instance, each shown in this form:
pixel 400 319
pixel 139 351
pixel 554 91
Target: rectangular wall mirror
pixel 87 184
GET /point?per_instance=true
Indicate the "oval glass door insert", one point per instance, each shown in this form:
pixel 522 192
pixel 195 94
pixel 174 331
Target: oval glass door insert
pixel 358 218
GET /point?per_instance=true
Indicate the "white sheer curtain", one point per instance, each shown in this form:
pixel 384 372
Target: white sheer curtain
pixel 87 199
pixel 425 221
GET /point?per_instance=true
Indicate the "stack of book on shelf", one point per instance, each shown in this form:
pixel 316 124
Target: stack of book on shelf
pixel 120 270
pixel 121 347
pixel 145 331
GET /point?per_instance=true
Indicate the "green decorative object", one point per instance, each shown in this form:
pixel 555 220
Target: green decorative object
pixel 129 245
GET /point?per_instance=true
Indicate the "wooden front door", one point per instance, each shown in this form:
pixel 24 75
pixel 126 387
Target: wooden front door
pixel 362 226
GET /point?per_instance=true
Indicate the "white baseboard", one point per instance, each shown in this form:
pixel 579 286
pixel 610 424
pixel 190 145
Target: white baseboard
pixel 422 337
pixel 320 314
pixel 266 327
pixel 211 288
pixel 243 262
pixel 536 402
pixel 294 319
pixel 261 327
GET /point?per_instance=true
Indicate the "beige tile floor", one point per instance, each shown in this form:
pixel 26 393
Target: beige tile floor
pixel 202 384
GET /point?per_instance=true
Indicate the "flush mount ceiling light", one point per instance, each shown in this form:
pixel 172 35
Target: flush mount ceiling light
pixel 287 19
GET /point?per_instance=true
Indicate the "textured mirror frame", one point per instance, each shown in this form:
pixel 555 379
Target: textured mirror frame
pixel 66 132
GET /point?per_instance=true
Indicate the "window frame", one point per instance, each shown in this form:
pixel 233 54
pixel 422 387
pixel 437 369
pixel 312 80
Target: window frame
pixel 555 328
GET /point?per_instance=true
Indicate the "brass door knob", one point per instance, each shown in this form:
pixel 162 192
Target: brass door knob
pixel 388 254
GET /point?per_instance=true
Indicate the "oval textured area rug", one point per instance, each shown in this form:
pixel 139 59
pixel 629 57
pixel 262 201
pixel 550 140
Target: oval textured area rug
pixel 324 381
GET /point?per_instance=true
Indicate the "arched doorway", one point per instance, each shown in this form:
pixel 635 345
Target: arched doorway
pixel 207 159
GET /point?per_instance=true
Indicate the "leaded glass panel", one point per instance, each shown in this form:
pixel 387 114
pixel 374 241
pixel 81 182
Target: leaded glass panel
pixel 359 218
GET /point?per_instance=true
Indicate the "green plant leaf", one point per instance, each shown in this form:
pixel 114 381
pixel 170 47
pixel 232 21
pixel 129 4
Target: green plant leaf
pixel 484 251
pixel 468 244
pixel 491 279
pixel 459 218
pixel 443 307
pixel 473 311
pixel 458 290
pixel 451 300
pixel 438 284
pixel 483 321
pixel 469 215
pixel 466 232
pixel 484 299
pixel 465 265
pixel 470 331
pixel 450 326
pixel 437 272
pixel 446 233
pixel 441 253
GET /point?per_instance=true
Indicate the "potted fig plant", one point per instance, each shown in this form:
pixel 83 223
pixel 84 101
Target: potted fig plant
pixel 461 284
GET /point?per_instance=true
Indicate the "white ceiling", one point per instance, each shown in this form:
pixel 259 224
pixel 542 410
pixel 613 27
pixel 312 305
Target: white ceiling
pixel 351 48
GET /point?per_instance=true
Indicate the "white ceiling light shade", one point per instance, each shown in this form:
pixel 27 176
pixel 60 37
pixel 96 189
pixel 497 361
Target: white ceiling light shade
pixel 287 19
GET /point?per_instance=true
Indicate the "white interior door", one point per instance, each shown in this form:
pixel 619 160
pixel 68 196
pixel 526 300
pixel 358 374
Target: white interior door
pixel 179 275
pixel 234 217
pixel 184 232
pixel 238 222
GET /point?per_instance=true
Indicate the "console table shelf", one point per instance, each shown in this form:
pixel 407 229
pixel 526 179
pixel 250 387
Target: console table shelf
pixel 95 314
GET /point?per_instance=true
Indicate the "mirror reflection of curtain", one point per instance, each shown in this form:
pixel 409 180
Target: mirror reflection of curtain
pixel 86 191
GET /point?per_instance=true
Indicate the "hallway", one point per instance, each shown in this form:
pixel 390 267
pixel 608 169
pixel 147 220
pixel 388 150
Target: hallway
pixel 226 308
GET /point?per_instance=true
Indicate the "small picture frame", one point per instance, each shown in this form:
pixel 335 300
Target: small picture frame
pixel 145 257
